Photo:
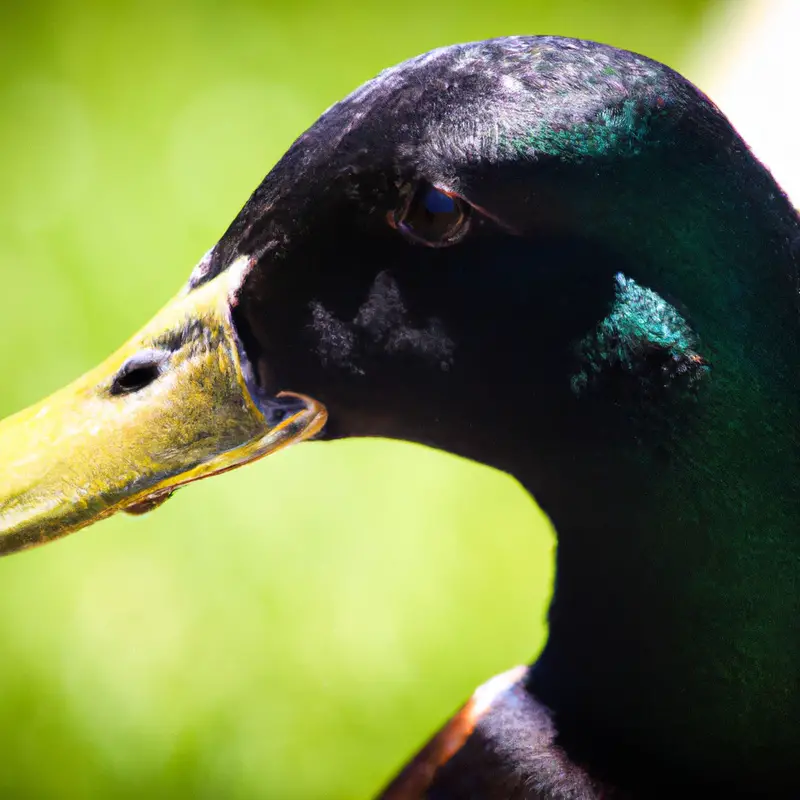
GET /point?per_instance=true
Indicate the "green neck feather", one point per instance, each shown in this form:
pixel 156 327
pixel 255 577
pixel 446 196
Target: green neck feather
pixel 674 627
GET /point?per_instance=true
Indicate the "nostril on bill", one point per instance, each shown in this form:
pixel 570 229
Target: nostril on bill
pixel 139 371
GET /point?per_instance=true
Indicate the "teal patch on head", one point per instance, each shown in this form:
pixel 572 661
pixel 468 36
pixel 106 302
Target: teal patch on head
pixel 642 336
pixel 618 130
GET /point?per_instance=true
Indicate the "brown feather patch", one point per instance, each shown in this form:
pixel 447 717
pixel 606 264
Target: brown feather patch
pixel 416 777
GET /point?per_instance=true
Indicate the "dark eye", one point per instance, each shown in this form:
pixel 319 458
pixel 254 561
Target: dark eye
pixel 432 216
pixel 139 371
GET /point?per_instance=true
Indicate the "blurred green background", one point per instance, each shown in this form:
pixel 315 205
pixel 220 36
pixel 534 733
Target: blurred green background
pixel 202 651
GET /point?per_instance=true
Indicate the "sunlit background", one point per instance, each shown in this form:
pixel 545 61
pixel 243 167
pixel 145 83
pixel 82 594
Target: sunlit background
pixel 299 628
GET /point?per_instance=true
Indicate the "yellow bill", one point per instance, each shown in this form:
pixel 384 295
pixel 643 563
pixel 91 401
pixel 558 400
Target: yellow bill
pixel 170 407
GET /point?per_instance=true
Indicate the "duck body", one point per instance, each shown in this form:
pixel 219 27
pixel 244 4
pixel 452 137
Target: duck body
pixel 559 259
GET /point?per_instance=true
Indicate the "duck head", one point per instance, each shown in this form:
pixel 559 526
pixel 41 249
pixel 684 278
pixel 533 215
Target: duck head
pixel 548 255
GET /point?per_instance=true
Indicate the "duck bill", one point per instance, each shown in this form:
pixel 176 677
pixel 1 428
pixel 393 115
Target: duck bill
pixel 124 437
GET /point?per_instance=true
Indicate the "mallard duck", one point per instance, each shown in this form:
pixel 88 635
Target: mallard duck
pixel 557 258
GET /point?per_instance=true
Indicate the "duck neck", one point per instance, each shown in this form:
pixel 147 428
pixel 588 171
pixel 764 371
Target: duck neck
pixel 674 625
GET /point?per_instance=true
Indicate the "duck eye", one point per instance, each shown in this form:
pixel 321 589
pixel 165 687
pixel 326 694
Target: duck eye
pixel 433 217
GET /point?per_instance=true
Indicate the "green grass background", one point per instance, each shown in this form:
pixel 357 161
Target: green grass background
pixel 298 628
